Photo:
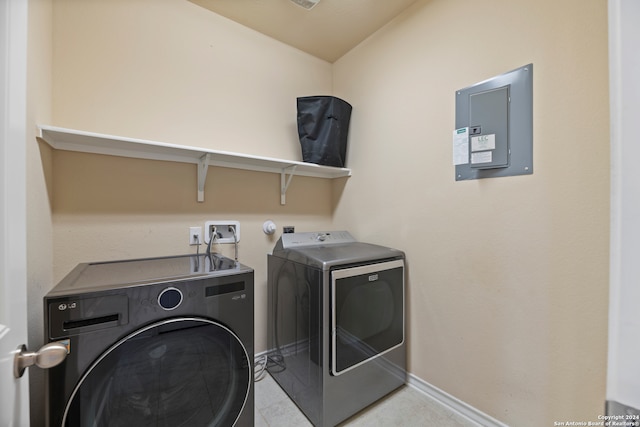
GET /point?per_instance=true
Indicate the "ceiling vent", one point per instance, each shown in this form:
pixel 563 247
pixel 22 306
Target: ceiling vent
pixel 307 4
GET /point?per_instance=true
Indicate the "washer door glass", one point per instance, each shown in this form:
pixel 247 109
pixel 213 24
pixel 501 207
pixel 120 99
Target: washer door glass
pixel 178 372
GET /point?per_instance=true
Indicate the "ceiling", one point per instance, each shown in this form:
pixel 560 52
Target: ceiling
pixel 327 31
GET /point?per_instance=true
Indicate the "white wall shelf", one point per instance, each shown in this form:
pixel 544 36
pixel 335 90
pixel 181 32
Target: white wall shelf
pixel 88 142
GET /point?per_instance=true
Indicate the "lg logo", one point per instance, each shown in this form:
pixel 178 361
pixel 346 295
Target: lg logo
pixel 69 306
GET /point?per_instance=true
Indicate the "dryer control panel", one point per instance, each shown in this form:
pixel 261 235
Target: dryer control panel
pixel 298 240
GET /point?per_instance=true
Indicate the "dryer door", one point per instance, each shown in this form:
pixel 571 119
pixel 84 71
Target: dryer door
pixel 367 313
pixel 177 372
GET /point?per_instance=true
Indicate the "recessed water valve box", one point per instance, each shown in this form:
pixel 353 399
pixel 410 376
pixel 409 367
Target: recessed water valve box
pixel 494 127
pixel 225 231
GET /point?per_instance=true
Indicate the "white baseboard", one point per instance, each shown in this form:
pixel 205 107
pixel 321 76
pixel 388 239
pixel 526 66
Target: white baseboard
pixel 453 403
pixel 442 397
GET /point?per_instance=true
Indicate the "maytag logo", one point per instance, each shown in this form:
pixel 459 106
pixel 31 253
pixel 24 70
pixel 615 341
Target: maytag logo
pixel 373 277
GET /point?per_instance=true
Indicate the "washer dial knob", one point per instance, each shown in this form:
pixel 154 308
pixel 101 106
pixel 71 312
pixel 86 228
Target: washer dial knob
pixel 170 298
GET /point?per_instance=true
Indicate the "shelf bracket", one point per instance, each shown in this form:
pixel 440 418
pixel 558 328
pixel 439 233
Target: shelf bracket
pixel 285 181
pixel 203 166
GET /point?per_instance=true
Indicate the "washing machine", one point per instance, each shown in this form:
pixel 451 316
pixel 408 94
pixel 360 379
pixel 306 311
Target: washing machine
pixel 336 323
pixel 153 342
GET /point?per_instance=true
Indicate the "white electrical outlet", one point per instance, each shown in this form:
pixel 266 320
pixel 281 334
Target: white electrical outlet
pixel 195 236
pixel 224 231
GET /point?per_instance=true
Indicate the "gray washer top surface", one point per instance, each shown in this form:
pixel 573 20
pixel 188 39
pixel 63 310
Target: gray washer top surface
pixel 100 276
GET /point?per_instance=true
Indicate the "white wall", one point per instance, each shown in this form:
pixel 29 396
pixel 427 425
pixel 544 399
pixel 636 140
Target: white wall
pixel 508 277
pixel 623 376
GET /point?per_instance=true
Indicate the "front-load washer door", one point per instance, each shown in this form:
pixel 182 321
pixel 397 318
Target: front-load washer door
pixel 367 313
pixel 176 372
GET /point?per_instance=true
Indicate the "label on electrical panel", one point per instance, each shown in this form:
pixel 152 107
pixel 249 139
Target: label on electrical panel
pixel 461 146
pixel 481 157
pixel 483 142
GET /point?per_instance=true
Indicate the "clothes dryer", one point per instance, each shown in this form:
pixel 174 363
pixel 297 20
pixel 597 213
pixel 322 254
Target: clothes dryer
pixel 336 323
pixel 154 342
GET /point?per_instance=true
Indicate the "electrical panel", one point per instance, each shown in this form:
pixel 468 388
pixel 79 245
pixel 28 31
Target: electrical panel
pixel 494 127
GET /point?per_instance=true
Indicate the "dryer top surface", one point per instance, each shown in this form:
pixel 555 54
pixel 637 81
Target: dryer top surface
pixel 325 250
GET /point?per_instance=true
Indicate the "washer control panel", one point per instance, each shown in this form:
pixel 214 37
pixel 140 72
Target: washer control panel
pixel 297 240
pixel 69 316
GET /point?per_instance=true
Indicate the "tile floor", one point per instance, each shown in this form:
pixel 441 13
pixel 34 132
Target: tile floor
pixel 406 407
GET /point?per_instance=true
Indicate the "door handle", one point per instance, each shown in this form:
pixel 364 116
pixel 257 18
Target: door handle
pixel 48 356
